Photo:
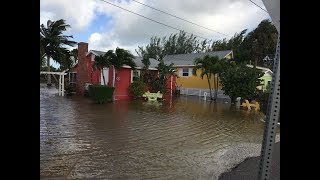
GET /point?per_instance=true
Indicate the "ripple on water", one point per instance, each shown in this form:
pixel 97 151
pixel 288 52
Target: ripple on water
pixel 183 139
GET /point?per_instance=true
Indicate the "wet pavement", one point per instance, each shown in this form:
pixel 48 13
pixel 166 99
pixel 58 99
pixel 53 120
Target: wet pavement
pixel 186 138
pixel 249 168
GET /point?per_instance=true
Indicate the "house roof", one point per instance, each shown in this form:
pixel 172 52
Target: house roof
pixel 264 70
pixel 95 52
pixel 177 59
pixel 188 59
pixel 153 63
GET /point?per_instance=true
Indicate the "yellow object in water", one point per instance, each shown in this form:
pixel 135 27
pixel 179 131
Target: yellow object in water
pixel 152 96
pixel 256 106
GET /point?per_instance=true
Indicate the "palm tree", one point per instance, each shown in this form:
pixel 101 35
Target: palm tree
pixel 208 65
pixel 101 62
pixel 65 59
pixel 119 58
pixel 116 59
pixel 52 40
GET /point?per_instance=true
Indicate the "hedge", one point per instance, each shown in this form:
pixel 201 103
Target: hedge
pixel 100 93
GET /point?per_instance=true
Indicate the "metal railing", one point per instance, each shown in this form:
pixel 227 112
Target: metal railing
pixel 200 92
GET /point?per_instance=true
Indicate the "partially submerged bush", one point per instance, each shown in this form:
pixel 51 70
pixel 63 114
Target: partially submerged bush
pixel 263 98
pixel 137 89
pixel 101 93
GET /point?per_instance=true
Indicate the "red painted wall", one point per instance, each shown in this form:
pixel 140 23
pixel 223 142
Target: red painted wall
pixel 123 81
pixel 110 80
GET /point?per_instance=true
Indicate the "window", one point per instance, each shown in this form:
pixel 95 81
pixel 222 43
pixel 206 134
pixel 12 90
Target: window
pixel 72 77
pixel 135 75
pixel 185 72
pixel 269 82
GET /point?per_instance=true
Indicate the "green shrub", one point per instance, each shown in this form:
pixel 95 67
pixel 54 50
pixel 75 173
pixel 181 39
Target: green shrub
pixel 137 89
pixel 101 93
pixel 69 87
pixel 263 98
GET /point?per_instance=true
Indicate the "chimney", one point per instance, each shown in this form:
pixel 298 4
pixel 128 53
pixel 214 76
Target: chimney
pixel 82 73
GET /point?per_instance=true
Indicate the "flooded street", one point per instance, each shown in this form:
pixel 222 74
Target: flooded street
pixel 186 138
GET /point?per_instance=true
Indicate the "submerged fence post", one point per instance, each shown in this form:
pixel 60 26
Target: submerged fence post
pixel 62 90
pixel 59 85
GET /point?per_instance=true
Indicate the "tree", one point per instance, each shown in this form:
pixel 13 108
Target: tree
pixel 101 62
pixel 238 80
pixel 153 50
pixel 67 59
pixel 122 57
pixel 250 47
pixel 179 43
pixel 146 75
pixel 52 41
pixel 265 37
pixel 164 72
pixel 117 59
pixel 209 66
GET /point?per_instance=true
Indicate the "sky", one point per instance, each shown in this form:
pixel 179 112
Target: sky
pixel 106 27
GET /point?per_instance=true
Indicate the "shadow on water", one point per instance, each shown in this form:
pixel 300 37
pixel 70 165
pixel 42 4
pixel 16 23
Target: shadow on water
pixel 182 138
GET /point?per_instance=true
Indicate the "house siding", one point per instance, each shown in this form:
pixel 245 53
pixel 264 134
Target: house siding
pixel 195 81
pixel 265 80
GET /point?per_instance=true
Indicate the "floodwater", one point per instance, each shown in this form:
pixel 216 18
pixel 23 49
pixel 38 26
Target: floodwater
pixel 186 138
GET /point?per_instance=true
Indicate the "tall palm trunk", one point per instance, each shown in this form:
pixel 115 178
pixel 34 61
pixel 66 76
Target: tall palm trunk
pixel 48 69
pixel 104 81
pixel 209 87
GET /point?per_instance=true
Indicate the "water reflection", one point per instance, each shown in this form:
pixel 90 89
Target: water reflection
pixel 182 138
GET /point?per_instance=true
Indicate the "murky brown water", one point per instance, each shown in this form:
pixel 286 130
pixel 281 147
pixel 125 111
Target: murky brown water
pixel 184 139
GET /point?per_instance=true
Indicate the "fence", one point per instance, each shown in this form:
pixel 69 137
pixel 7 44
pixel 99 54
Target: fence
pixel 201 92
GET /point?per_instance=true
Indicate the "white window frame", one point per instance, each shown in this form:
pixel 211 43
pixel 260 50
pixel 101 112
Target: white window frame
pixel 189 72
pixel 182 69
pixel 132 74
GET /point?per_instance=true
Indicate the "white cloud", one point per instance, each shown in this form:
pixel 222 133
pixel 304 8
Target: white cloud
pixel 77 13
pixel 45 16
pixel 129 30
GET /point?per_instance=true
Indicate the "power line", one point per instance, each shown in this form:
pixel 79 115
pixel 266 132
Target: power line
pixel 180 18
pixel 259 6
pixel 152 19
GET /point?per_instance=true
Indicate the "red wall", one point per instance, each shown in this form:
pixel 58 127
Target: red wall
pixel 110 81
pixel 123 81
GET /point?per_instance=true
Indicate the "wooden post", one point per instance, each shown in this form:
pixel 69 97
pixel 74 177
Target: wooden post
pixel 59 85
pixel 62 91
